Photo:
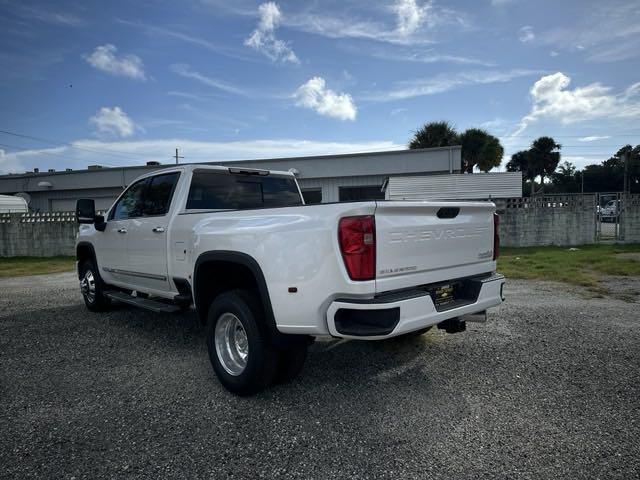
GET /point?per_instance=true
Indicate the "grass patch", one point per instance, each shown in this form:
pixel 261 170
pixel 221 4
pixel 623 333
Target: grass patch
pixel 585 266
pixel 20 266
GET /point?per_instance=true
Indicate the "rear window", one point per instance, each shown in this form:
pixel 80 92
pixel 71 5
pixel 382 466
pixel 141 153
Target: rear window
pixel 225 191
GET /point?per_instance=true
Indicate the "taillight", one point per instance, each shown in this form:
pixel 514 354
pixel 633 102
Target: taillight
pixel 357 238
pixel 496 236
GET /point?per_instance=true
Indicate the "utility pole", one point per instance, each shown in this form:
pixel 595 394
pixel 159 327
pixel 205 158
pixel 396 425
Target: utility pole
pixel 177 157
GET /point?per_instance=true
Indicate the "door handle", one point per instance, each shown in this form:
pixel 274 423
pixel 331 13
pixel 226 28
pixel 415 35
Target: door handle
pixel 122 230
pixel 158 230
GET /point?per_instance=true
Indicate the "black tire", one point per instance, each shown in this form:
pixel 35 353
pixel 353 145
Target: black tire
pixel 290 362
pixel 261 360
pixel 92 287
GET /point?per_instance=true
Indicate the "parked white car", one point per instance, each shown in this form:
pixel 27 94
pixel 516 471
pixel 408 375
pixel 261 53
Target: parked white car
pixel 267 274
pixel 610 210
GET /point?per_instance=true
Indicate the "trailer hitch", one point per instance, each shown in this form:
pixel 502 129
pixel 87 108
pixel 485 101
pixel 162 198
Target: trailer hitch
pixel 453 325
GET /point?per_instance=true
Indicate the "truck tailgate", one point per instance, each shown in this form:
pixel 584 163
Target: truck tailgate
pixel 425 242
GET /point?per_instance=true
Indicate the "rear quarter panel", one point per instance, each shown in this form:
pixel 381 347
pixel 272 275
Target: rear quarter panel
pixel 294 246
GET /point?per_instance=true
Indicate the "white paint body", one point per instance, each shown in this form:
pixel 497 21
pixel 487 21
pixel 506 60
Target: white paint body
pixel 298 247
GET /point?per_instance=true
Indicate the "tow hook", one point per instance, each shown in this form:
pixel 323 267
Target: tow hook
pixel 453 325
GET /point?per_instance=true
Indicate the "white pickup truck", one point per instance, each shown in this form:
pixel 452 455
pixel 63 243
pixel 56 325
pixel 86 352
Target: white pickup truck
pixel 267 274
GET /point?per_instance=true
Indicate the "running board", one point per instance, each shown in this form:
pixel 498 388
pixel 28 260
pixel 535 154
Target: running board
pixel 153 305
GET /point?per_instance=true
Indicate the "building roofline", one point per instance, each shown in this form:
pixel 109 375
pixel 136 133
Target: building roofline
pixel 347 155
pixel 223 162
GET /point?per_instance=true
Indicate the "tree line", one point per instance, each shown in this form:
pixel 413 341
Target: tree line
pixel 540 163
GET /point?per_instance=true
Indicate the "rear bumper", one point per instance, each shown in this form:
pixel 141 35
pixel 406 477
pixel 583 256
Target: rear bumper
pixel 403 312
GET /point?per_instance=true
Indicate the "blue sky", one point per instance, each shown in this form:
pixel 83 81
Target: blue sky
pixel 120 83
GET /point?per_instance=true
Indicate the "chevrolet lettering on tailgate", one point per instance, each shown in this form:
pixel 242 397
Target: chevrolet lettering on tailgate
pixel 424 234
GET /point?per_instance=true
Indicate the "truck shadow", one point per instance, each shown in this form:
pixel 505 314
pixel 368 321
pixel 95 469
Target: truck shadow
pixel 363 364
pixel 331 364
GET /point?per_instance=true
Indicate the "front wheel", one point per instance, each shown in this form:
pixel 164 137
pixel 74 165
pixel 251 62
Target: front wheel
pixel 240 349
pixel 93 288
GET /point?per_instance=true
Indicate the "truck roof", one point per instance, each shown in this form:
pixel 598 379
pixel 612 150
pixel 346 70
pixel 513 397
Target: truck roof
pixel 229 169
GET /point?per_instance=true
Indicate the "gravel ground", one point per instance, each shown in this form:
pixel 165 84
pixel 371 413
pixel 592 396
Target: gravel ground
pixel 548 388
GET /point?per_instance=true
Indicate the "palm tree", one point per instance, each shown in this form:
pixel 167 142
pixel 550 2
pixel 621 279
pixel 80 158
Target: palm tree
pixel 520 162
pixel 493 154
pixel 540 160
pixel 545 156
pixel 481 149
pixel 434 134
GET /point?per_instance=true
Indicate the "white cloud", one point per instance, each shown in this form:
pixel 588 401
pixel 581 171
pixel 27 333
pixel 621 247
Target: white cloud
pixel 553 99
pixel 114 122
pixel 553 53
pixel 412 23
pixel 526 35
pixel 186 71
pixel 444 83
pixel 263 38
pixel 581 161
pixel 121 153
pixel 54 18
pixel 315 95
pixel 409 16
pixel 172 33
pixel 594 138
pixel 409 54
pixel 608 32
pixel 104 58
pixel 398 111
pixel 497 126
pixel 9 163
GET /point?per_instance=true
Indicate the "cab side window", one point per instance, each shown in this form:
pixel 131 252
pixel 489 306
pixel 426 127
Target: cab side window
pixel 130 204
pixel 157 197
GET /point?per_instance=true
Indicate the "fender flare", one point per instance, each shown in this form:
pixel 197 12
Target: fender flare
pixel 250 263
pixel 90 246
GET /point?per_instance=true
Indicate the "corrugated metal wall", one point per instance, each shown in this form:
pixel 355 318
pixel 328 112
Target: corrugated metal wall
pixel 331 186
pixel 457 186
pixel 65 200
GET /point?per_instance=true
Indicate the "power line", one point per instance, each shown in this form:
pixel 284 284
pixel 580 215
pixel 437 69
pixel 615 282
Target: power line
pixel 116 153
pixel 20 149
pixel 33 152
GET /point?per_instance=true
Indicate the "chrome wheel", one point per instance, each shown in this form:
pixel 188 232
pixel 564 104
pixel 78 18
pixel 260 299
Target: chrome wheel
pixel 88 286
pixel 232 346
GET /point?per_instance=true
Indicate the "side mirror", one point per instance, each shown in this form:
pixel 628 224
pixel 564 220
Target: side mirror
pixel 85 210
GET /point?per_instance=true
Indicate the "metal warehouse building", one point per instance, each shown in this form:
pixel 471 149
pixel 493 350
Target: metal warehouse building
pixel 326 178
